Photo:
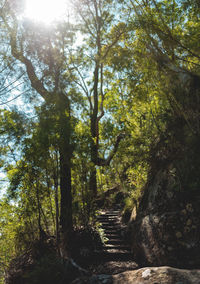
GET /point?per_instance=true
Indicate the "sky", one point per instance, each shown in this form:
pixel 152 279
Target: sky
pixel 46 11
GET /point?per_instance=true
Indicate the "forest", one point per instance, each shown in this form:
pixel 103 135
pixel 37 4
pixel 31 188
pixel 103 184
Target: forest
pixel 100 122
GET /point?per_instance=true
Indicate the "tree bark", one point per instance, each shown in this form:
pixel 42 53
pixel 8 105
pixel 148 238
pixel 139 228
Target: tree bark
pixel 55 177
pixel 65 153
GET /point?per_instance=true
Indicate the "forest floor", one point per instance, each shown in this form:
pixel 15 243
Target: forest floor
pixel 112 267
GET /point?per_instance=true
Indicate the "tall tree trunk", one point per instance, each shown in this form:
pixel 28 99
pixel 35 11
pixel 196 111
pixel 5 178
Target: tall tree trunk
pixel 94 121
pixel 56 171
pixel 94 134
pixel 65 153
pixel 93 179
pixel 57 214
pixel 39 212
pixel 49 196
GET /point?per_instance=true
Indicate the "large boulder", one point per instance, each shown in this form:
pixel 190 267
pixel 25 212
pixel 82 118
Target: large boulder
pixel 167 227
pixel 147 275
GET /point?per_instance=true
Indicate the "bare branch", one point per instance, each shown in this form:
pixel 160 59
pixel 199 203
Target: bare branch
pixel 13 98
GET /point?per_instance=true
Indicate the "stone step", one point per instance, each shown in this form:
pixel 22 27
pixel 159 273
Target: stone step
pixel 119 256
pixel 107 222
pixel 108 219
pixel 115 242
pixel 111 231
pixel 112 236
pixel 112 211
pixel 112 222
pixel 111 228
pixel 116 247
pixel 107 226
pixel 110 214
pixel 115 226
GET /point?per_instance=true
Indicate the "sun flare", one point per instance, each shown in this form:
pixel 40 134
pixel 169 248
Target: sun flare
pixel 45 11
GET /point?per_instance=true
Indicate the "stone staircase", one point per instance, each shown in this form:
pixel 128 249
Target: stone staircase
pixel 115 248
pixel 116 256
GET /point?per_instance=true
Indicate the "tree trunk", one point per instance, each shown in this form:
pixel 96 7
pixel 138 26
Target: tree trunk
pixel 56 171
pixel 94 133
pixel 65 153
pixel 39 212
pixel 93 180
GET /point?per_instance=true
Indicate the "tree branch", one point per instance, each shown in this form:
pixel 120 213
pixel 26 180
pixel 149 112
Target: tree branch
pixel 35 81
pixel 106 162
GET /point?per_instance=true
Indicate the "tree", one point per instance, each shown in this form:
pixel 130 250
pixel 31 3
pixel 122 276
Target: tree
pixel 99 25
pixel 43 56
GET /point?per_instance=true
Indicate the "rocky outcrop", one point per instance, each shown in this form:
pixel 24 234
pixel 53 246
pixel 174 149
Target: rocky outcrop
pixel 167 228
pixel 147 275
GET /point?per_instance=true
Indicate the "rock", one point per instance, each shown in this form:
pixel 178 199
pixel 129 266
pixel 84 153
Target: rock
pixel 167 230
pixel 147 275
pixel 95 279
